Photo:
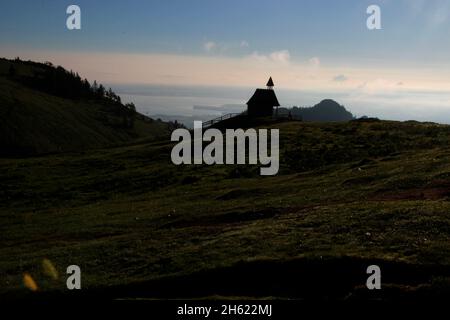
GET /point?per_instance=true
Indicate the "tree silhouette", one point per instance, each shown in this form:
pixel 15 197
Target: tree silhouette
pixel 68 84
pixel 101 91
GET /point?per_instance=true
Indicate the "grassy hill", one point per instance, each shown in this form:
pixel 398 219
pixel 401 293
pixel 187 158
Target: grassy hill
pixel 34 121
pixel 348 195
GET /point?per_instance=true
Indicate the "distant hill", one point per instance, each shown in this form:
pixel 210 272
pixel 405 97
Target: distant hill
pixel 326 110
pixel 46 109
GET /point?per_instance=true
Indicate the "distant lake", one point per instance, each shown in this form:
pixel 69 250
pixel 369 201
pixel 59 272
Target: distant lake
pixel 184 106
pixel 188 103
pixel 185 101
pixel 172 102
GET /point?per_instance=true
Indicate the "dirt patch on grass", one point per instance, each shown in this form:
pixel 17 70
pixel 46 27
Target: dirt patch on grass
pixel 436 190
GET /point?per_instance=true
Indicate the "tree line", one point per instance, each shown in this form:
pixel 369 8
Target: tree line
pixel 56 80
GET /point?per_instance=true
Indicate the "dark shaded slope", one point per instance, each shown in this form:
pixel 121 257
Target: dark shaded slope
pixel 35 122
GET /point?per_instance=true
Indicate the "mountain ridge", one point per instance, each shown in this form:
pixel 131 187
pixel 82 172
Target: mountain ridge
pixel 326 110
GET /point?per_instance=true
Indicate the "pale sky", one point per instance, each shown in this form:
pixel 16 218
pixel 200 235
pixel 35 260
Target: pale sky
pixel 400 71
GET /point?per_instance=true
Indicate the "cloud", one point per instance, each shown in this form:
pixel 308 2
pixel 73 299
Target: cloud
pixel 244 44
pixel 241 71
pixel 314 62
pixel 378 86
pixel 256 56
pixel 281 57
pixel 340 78
pixel 209 46
pixel 218 47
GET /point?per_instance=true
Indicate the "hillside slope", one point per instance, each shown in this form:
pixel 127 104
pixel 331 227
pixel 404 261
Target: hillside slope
pixel 348 195
pixel 35 122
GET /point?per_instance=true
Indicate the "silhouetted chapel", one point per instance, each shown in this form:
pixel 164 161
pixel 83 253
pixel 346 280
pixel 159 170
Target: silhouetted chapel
pixel 263 101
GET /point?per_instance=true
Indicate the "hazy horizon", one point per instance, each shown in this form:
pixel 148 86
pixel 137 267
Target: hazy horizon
pixel 191 101
pixel 312 49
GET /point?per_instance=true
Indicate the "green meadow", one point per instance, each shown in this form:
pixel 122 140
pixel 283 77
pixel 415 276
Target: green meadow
pixel 348 195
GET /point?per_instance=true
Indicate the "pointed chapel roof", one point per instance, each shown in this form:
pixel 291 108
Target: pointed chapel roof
pixel 264 97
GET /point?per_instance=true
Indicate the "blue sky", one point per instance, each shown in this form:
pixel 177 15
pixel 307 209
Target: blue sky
pixel 321 47
pixel 412 29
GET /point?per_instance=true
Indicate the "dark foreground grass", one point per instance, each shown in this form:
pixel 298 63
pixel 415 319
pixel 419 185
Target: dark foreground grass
pixel 347 196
